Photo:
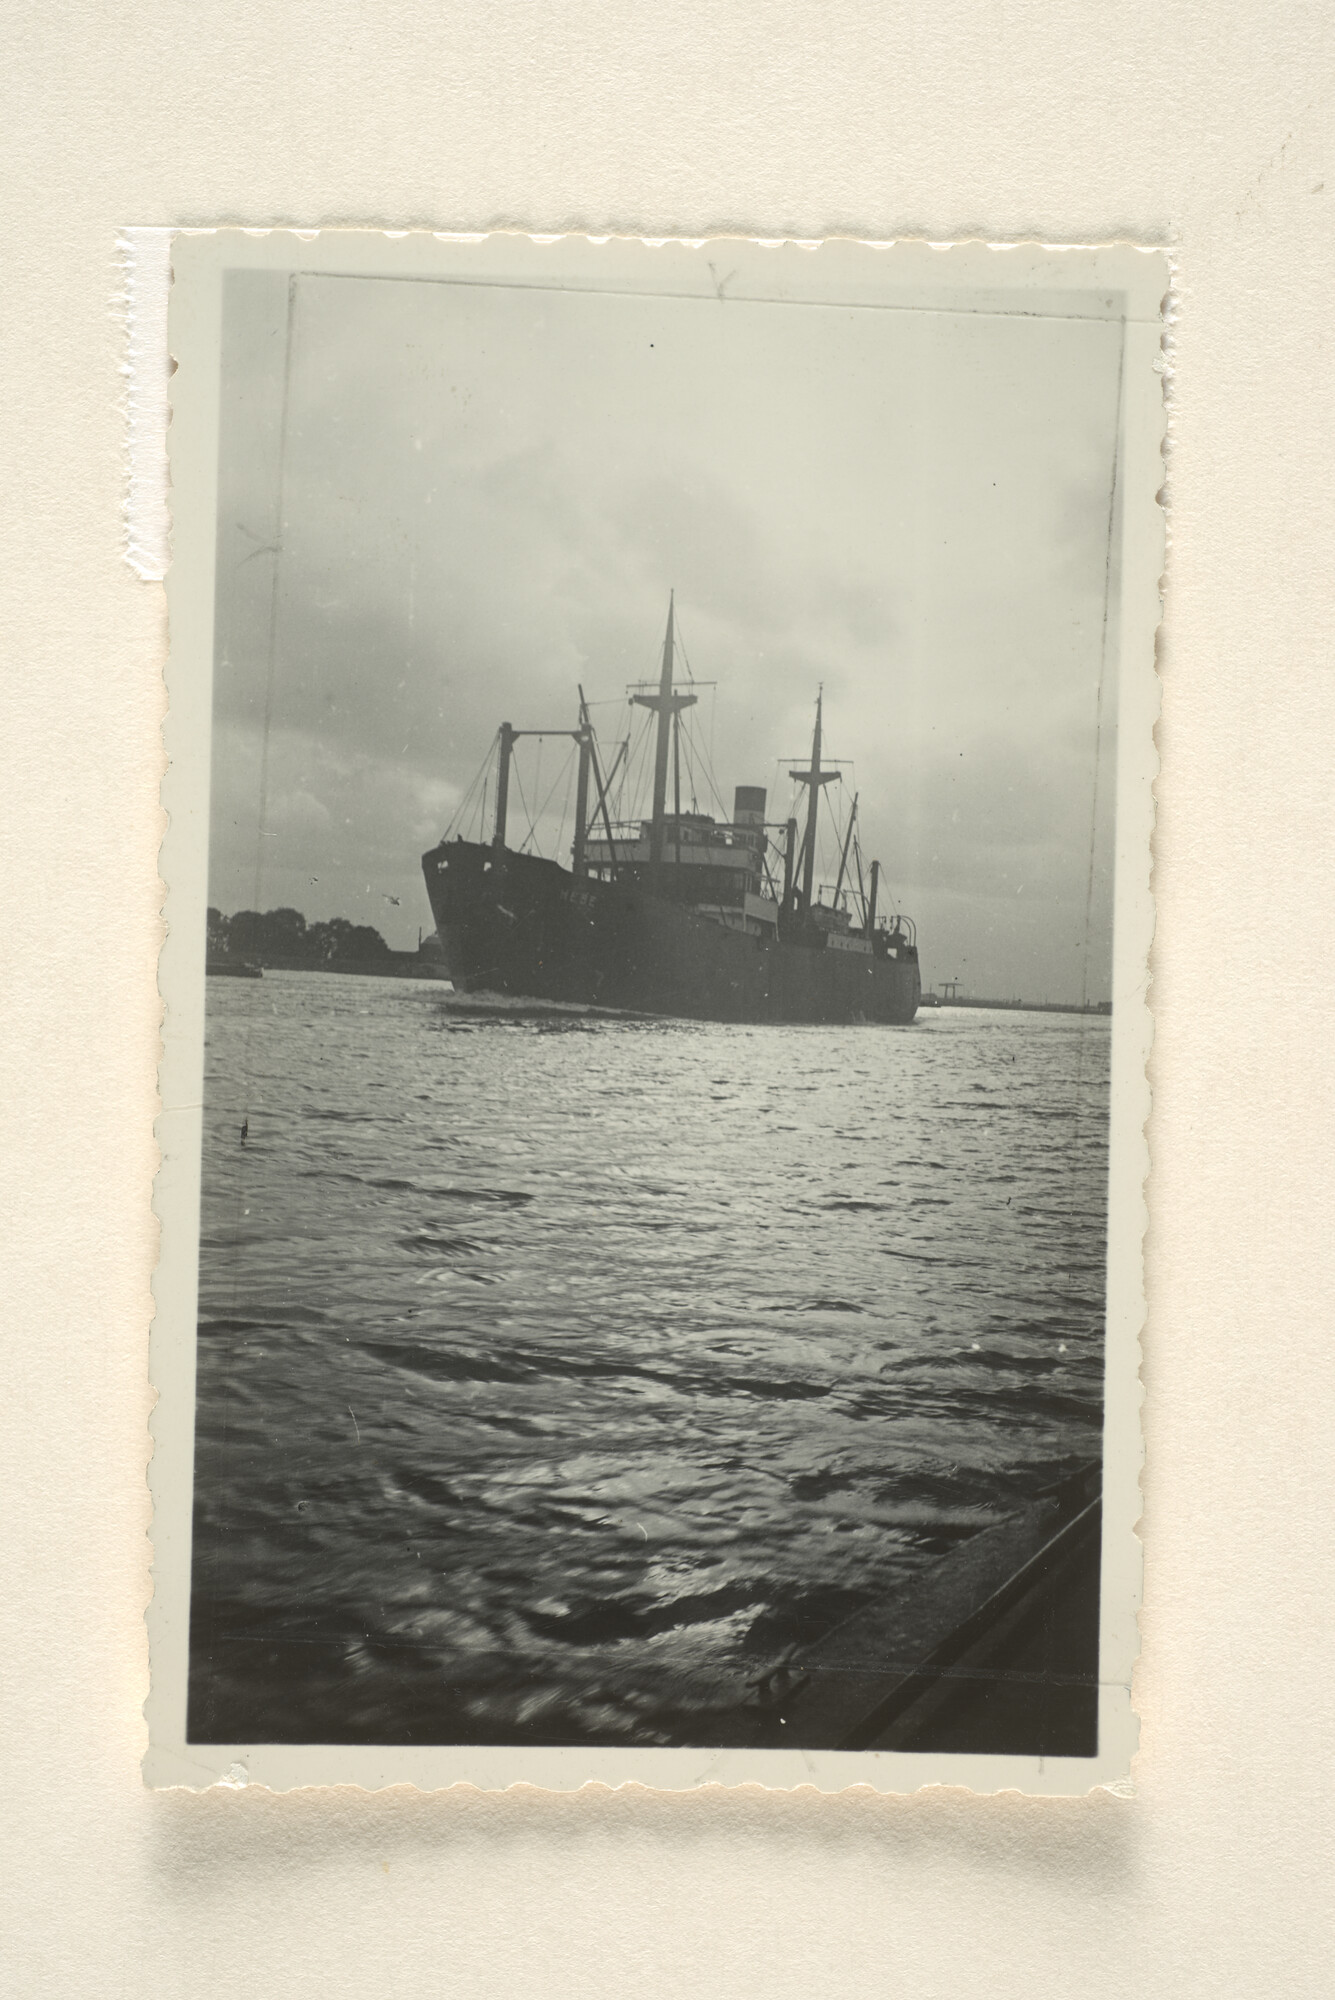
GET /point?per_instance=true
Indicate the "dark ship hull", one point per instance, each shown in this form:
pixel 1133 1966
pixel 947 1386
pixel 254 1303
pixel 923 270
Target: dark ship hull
pixel 518 925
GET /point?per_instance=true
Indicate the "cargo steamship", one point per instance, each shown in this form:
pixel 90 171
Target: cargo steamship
pixel 678 914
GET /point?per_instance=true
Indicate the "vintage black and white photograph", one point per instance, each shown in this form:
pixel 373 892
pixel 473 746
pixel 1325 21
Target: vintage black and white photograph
pixel 658 909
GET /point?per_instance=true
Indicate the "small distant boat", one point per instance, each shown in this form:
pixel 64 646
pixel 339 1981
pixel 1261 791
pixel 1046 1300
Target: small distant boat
pixel 232 968
pixel 677 913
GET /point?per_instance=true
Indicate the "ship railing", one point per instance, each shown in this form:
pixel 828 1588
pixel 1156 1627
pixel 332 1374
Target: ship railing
pixel 695 831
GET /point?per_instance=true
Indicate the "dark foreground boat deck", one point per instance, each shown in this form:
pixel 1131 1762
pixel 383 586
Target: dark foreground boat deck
pixel 994 1650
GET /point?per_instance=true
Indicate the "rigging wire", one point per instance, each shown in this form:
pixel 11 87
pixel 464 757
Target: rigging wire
pixel 688 764
pixel 723 813
pixel 694 770
pixel 681 648
pixel 460 811
pixel 637 765
pixel 628 778
pixel 713 711
pixel 563 772
pixel 519 787
pixel 569 770
pixel 614 785
pixel 834 826
pixel 701 763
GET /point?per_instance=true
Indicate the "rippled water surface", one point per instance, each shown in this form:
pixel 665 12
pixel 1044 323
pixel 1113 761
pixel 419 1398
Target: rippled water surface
pixel 557 1375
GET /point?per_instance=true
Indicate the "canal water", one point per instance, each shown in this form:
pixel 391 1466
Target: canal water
pixel 557 1375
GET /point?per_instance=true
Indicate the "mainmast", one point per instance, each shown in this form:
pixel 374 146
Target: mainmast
pixel 814 778
pixel 669 706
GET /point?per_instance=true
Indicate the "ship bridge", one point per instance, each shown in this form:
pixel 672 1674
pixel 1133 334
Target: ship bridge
pixel 716 867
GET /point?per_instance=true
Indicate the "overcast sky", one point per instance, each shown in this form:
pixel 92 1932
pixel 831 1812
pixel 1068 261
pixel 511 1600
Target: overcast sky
pixel 487 494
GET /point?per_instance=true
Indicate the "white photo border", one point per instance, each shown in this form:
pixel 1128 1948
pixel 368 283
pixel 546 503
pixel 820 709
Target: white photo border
pixel 903 274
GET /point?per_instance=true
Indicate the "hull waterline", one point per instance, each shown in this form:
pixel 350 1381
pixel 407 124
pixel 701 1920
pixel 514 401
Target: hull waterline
pixel 518 925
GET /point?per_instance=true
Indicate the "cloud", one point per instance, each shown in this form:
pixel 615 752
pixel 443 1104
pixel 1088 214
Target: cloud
pixel 487 496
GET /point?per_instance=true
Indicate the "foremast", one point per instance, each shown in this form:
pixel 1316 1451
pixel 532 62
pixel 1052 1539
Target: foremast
pixel 669 706
pixel 814 779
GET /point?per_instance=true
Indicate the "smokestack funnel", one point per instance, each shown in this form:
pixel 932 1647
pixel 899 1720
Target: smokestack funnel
pixel 748 816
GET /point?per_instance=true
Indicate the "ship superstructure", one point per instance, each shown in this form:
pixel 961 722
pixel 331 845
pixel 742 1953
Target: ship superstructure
pixel 676 913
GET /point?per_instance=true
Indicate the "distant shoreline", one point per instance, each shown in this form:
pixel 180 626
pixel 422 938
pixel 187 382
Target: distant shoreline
pixel 410 965
pixel 395 965
pixel 1101 1009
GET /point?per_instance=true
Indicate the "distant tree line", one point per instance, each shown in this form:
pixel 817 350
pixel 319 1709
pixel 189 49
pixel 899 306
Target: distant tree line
pixel 284 938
